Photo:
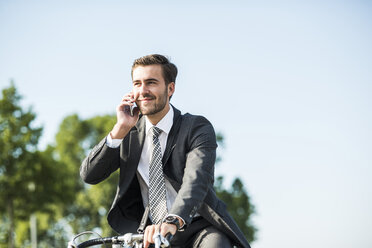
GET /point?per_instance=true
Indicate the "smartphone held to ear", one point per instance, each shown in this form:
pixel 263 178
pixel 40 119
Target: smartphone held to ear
pixel 132 109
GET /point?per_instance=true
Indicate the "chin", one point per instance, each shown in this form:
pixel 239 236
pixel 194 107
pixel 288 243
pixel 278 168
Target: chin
pixel 146 111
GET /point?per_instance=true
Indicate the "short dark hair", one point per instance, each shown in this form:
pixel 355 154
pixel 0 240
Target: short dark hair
pixel 169 69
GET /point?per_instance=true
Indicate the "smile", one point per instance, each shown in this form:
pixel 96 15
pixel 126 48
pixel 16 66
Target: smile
pixel 146 99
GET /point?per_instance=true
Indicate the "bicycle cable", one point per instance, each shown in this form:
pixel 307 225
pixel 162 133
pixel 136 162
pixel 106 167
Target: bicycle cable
pixel 90 232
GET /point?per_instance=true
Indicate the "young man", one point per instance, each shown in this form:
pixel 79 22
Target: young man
pixel 166 163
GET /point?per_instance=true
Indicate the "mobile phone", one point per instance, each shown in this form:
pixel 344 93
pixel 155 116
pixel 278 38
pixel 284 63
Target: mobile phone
pixel 132 108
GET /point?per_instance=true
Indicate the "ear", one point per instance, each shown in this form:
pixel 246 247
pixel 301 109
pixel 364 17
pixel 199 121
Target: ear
pixel 171 88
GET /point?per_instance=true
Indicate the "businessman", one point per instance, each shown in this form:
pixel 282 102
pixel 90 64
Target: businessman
pixel 166 162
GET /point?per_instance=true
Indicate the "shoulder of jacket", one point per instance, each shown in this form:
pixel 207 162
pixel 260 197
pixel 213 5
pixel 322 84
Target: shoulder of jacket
pixel 191 117
pixel 195 120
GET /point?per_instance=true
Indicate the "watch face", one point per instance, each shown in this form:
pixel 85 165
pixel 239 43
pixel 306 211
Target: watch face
pixel 170 218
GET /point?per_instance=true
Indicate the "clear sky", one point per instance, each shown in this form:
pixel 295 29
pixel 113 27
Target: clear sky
pixel 288 83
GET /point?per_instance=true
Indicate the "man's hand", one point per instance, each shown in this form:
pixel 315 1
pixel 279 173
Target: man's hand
pixel 124 121
pixel 151 230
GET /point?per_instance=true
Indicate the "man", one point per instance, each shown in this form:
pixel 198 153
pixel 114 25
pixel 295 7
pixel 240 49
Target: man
pixel 166 163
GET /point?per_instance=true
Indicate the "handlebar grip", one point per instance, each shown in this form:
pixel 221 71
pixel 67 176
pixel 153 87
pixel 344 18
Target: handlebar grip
pixel 92 242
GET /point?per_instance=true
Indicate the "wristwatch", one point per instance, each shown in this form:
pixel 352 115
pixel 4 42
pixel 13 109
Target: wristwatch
pixel 173 220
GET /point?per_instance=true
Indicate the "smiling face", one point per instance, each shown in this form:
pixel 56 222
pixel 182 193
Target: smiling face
pixel 151 92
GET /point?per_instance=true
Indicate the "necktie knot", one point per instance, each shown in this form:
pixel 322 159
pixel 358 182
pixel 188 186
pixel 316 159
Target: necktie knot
pixel 155 131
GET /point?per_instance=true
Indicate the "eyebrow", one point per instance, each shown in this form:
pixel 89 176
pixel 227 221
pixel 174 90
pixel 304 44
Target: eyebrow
pixel 148 79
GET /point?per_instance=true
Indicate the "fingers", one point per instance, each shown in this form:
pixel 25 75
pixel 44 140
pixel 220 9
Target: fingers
pixel 168 228
pixel 149 233
pixel 127 101
pixel 165 228
pixel 122 109
pixel 145 237
pixel 129 98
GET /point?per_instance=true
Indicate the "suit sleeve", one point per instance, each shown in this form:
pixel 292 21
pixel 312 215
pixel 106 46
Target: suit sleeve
pixel 199 169
pixel 100 163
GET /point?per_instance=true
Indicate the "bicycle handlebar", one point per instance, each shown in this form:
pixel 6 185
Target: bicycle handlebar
pixel 128 239
pixel 97 241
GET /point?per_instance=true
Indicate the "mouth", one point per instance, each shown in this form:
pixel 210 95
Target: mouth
pixel 145 102
pixel 147 99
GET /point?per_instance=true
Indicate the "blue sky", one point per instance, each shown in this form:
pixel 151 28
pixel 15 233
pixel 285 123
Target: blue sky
pixel 287 82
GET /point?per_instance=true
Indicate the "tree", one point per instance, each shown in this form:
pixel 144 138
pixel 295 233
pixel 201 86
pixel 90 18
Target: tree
pixel 74 140
pixel 239 204
pixel 18 142
pixel 28 177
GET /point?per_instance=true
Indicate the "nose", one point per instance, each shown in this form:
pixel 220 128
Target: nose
pixel 142 90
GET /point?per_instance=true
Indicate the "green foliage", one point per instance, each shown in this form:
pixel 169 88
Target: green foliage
pixel 239 205
pixel 74 140
pixel 18 140
pixel 29 179
pixel 220 142
pixel 4 227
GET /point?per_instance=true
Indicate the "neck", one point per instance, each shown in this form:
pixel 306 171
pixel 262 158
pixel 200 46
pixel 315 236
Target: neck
pixel 155 118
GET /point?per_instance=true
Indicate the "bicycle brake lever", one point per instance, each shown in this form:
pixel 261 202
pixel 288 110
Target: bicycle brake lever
pixel 157 239
pixel 161 241
pixel 168 237
pixel 164 242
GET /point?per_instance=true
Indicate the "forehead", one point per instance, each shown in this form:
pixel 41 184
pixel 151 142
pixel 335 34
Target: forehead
pixel 147 71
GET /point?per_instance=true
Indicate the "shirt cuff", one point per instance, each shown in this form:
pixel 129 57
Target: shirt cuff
pixel 113 143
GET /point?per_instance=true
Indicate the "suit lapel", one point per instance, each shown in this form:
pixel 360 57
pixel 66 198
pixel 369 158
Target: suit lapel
pixel 172 137
pixel 137 139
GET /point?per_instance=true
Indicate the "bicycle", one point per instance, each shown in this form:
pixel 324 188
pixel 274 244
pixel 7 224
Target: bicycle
pixel 128 240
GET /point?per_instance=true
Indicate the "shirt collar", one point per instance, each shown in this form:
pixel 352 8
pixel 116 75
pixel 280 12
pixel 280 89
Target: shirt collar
pixel 164 124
